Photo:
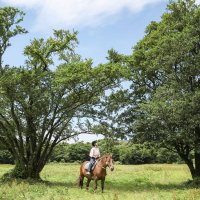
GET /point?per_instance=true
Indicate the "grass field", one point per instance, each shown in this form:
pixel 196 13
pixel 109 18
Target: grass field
pixel 126 182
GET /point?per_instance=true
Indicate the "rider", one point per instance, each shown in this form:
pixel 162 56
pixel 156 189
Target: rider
pixel 94 154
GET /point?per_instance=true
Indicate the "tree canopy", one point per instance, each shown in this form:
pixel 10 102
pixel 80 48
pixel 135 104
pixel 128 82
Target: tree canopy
pixel 40 100
pixel 162 102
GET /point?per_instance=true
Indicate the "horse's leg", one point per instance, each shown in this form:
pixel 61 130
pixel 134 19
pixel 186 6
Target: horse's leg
pixel 88 183
pixel 95 183
pixel 102 184
pixel 81 178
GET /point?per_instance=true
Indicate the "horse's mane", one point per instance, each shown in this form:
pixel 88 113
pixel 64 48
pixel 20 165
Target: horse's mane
pixel 105 155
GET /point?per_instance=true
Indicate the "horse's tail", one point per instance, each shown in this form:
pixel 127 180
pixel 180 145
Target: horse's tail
pixel 76 182
pixel 80 181
pixel 81 176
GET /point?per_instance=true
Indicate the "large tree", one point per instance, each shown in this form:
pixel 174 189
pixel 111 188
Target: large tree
pixel 168 62
pixel 162 103
pixel 40 100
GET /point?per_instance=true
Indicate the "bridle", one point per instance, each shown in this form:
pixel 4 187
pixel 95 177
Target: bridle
pixel 109 163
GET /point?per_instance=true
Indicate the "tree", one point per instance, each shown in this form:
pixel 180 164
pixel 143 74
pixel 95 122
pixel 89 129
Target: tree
pixel 168 61
pixel 39 105
pixel 9 20
pixel 162 102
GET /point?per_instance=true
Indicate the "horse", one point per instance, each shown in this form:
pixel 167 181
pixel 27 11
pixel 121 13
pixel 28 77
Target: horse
pixel 98 173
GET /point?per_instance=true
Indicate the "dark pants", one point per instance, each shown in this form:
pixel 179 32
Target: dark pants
pixel 92 161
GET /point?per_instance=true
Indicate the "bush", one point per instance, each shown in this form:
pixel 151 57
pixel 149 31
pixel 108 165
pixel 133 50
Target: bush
pixel 78 152
pixel 6 157
pixel 123 152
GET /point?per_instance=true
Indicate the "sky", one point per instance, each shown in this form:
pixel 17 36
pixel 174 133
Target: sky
pixel 101 25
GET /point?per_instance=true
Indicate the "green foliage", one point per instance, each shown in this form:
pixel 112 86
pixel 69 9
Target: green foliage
pixel 38 104
pixel 41 53
pixel 168 60
pixel 71 152
pixel 130 153
pixel 161 103
pixel 123 152
pixel 165 156
pixel 9 19
pixel 6 157
pixel 78 152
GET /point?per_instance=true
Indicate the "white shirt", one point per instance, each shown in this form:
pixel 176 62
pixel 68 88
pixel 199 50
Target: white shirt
pixel 94 152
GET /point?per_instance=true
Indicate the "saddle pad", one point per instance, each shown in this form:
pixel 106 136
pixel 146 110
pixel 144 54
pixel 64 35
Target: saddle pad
pixel 87 165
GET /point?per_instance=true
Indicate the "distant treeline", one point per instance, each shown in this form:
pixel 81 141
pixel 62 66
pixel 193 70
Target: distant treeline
pixel 123 152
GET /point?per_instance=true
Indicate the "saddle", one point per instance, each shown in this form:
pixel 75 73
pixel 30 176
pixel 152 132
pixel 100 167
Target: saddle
pixel 87 165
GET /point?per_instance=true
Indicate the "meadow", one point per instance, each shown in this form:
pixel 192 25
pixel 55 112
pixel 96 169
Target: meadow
pixel 126 182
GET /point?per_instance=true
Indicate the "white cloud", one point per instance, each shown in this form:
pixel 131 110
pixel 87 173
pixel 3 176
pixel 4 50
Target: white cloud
pixel 73 13
pixel 23 3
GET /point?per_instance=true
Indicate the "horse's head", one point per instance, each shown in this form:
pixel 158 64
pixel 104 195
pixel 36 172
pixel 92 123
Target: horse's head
pixel 109 161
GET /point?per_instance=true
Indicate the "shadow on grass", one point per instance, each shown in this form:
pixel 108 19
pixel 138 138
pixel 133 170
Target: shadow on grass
pixel 42 182
pixel 60 184
pixel 131 185
pixel 147 186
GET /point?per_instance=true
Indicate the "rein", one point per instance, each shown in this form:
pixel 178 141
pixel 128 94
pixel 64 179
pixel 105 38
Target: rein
pixel 100 164
pixel 99 160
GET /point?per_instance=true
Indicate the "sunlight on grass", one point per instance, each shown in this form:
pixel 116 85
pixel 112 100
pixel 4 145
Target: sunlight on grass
pixel 143 182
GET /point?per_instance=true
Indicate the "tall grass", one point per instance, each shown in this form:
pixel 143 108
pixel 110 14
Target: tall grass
pixel 136 182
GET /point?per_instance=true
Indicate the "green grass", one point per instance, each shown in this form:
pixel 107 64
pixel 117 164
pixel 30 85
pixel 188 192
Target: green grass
pixel 134 182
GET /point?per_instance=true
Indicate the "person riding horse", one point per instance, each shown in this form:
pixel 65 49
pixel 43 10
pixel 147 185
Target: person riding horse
pixel 94 154
pixel 98 173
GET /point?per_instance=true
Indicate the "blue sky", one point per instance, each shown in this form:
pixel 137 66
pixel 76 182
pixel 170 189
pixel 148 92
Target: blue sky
pixel 102 24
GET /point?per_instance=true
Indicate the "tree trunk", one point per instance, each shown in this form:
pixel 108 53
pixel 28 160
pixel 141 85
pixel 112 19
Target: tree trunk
pixel 191 167
pixel 23 171
pixel 31 161
pixel 184 154
pixel 197 152
pixel 183 151
pixel 189 163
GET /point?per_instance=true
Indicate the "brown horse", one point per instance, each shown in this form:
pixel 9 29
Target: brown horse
pixel 98 173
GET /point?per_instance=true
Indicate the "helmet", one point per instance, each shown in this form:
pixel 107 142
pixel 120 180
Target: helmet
pixel 93 143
